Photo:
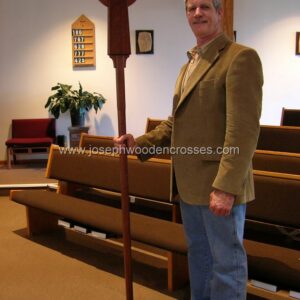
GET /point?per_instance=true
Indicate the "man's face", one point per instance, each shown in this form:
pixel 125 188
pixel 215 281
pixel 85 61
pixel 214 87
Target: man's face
pixel 203 18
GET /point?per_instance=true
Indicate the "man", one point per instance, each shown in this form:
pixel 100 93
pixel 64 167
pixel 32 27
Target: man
pixel 216 111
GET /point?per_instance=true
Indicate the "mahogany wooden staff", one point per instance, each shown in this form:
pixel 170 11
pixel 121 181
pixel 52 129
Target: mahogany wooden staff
pixel 119 51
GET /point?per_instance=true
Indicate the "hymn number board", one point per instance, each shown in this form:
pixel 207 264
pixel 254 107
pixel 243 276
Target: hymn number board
pixel 83 42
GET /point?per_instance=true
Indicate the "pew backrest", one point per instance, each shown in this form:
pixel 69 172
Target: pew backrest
pixel 277 199
pixel 274 138
pixel 274 161
pixel 95 142
pixel 279 138
pixel 290 117
pixel 150 179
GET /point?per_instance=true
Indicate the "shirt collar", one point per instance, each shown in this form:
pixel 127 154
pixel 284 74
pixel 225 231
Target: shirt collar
pixel 199 52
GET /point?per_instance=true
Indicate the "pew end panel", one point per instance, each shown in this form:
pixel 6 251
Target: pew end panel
pixel 39 221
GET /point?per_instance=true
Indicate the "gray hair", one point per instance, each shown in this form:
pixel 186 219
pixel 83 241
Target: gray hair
pixel 216 3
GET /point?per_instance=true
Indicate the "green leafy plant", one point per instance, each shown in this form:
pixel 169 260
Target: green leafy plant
pixel 76 101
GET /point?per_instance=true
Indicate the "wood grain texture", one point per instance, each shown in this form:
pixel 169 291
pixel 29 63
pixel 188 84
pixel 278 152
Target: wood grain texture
pixel 228 18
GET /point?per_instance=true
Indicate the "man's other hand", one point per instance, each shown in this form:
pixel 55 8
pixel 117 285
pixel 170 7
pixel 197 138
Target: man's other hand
pixel 221 202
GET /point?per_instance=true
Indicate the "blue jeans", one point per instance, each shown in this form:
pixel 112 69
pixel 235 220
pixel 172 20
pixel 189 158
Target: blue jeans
pixel 216 256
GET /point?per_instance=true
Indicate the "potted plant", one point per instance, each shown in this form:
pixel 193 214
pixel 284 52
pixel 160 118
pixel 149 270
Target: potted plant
pixel 76 101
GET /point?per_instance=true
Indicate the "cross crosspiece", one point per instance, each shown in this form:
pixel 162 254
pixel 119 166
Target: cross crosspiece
pixel 119 51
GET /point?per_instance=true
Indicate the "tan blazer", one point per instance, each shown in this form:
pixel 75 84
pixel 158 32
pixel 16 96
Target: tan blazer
pixel 219 108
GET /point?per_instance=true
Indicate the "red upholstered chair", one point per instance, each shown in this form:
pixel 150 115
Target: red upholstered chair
pixel 30 136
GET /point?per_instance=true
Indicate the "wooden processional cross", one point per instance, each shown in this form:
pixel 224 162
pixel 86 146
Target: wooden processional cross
pixel 119 51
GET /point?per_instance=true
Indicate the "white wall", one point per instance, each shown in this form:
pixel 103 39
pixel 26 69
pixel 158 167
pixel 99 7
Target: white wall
pixel 270 27
pixel 35 54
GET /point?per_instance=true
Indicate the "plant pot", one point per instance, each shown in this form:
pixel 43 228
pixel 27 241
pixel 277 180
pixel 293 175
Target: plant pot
pixel 77 119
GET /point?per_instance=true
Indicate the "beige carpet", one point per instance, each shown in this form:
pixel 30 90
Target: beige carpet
pixel 49 267
pixel 24 174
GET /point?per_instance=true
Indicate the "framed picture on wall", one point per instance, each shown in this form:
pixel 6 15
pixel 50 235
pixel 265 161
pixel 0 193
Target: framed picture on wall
pixel 144 41
pixel 297 43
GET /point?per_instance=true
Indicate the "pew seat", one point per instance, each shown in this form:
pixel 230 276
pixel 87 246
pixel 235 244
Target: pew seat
pixel 145 229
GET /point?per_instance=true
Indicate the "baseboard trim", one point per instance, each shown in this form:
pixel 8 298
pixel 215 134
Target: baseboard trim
pixel 25 161
pixel 30 161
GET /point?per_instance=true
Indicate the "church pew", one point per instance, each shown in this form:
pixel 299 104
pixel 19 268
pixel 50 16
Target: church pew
pixel 85 173
pixel 77 172
pixel 264 216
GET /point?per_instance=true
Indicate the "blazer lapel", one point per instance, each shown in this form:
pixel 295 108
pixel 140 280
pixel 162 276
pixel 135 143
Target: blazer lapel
pixel 202 67
pixel 205 63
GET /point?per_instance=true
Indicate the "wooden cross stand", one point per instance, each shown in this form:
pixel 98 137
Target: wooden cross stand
pixel 119 51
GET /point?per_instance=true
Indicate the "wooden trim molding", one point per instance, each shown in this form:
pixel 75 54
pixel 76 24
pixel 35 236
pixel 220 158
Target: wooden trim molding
pixel 228 18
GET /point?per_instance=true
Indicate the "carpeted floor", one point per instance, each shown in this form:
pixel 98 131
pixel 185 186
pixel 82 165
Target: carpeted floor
pixel 24 174
pixel 49 267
